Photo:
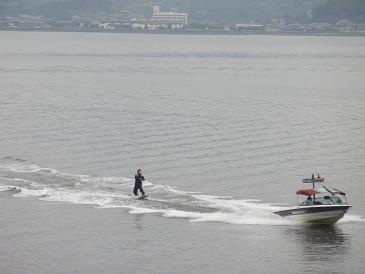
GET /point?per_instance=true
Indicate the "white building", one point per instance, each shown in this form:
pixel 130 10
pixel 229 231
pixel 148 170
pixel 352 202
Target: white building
pixel 169 17
pixel 138 25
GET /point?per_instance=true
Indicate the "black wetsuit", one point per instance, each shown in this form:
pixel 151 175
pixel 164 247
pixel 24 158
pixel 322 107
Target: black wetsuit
pixel 138 184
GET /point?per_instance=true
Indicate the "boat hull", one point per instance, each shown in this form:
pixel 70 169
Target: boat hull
pixel 317 214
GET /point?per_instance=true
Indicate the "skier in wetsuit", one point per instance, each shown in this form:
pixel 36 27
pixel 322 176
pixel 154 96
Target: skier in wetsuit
pixel 138 183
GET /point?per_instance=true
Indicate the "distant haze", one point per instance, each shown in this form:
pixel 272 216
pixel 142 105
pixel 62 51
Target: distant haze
pixel 199 10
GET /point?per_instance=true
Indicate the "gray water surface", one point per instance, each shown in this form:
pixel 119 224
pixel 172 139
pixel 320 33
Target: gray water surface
pixel 223 127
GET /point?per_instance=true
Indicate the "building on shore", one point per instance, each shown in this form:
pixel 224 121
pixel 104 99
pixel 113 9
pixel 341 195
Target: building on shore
pixel 173 19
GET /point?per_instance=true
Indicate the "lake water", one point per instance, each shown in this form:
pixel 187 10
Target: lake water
pixel 223 127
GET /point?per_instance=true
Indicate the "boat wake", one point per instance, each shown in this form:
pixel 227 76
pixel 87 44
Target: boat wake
pixel 23 179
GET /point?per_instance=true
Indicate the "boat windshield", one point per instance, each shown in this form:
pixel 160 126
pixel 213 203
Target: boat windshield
pixel 325 200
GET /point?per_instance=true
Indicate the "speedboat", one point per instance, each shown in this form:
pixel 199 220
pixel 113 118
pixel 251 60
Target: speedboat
pixel 322 206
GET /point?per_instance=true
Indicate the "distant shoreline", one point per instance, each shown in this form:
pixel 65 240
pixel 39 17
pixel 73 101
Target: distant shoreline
pixel 195 32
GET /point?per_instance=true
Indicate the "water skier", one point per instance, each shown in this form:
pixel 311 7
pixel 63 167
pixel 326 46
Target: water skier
pixel 138 183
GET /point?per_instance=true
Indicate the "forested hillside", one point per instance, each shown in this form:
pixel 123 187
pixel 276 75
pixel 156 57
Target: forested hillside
pixel 199 10
pixel 335 10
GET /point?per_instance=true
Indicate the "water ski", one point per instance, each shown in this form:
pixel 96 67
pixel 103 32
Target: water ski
pixel 142 197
